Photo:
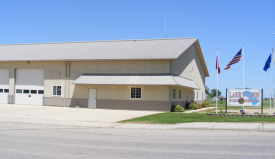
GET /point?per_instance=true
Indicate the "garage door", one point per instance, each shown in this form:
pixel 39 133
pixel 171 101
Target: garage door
pixel 29 86
pixel 4 86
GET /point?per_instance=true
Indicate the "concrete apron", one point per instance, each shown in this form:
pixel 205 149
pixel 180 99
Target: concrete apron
pixel 67 116
pixel 104 118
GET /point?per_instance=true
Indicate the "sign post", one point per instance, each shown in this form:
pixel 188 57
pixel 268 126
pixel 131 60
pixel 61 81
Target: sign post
pixel 262 103
pixel 226 102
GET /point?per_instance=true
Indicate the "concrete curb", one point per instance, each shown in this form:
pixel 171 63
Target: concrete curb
pixel 195 125
pixel 204 126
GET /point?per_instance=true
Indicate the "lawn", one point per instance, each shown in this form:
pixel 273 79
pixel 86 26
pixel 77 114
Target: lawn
pixel 221 106
pixel 172 118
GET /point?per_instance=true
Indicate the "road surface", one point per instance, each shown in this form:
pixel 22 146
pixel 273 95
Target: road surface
pixel 33 141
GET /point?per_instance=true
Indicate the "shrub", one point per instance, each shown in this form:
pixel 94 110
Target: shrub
pixel 203 106
pixel 197 106
pixel 172 108
pixel 178 108
pixel 206 104
pixel 191 106
pixel 187 105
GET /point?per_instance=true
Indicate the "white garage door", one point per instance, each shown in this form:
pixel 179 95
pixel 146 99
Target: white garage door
pixel 4 86
pixel 29 88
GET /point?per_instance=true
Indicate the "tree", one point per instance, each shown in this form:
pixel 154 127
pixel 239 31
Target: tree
pixel 214 92
pixel 207 91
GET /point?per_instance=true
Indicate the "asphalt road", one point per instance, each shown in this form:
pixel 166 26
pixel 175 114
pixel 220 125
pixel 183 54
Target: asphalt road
pixel 33 141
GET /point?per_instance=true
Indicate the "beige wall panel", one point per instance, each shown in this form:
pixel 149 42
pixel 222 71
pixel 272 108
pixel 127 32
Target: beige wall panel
pixel 53 70
pixel 54 74
pixel 119 67
pixel 184 94
pixel 188 65
pixel 156 93
pixel 149 93
pixel 48 84
pixel 11 81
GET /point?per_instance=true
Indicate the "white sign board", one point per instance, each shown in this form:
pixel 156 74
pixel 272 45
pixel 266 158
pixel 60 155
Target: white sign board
pixel 244 97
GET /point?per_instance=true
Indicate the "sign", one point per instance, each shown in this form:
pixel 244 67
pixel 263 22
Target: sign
pixel 244 97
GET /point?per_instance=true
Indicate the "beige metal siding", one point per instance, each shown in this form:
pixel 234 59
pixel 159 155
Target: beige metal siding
pixel 120 67
pixel 149 93
pixel 188 65
pixel 184 94
pixel 54 73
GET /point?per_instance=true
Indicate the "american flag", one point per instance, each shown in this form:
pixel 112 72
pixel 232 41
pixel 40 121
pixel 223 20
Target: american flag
pixel 236 59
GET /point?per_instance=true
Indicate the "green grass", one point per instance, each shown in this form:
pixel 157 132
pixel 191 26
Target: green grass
pixel 266 104
pixel 172 118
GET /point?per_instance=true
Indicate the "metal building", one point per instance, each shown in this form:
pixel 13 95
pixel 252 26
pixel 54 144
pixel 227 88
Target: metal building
pixel 151 74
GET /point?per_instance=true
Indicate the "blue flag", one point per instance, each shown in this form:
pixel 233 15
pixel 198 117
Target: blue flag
pixel 267 63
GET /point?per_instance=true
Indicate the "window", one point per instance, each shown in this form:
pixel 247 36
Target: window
pixel 194 95
pixel 33 91
pixel 202 95
pixel 40 91
pixel 6 90
pixel 26 91
pixel 189 98
pixel 19 91
pixel 1 90
pixel 180 94
pixel 174 93
pixel 56 90
pixel 135 92
pixel 197 95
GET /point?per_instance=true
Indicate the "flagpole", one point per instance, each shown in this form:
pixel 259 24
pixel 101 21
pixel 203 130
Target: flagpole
pixel 272 61
pixel 271 80
pixel 217 92
pixel 243 71
pixel 243 66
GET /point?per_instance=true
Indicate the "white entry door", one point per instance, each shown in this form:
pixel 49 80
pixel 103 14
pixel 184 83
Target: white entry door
pixel 92 99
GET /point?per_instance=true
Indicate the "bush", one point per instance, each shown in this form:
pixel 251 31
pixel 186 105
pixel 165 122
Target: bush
pixel 203 106
pixel 187 105
pixel 191 106
pixel 179 108
pixel 172 108
pixel 197 106
pixel 206 104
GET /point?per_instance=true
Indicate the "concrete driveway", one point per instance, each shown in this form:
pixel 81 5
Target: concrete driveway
pixel 66 116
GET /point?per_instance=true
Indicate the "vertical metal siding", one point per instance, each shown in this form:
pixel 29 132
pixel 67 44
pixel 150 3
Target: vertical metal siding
pixel 149 93
pixel 55 73
pixel 119 67
pixel 188 65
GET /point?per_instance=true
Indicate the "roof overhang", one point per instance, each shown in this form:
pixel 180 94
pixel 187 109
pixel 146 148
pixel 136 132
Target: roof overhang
pixel 197 44
pixel 161 80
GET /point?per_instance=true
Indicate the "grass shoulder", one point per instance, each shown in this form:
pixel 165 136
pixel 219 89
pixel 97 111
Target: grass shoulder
pixel 173 118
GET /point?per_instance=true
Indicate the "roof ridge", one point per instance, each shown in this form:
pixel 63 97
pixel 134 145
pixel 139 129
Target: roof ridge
pixel 97 41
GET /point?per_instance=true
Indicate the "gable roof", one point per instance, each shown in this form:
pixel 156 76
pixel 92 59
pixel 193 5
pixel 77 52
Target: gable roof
pixel 151 49
pixel 148 49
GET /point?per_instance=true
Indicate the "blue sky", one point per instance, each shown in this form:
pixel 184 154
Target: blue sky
pixel 223 24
